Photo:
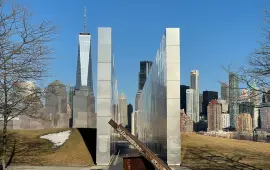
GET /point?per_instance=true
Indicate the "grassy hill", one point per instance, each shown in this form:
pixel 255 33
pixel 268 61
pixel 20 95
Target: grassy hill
pixel 26 148
pixel 198 152
pixel 206 152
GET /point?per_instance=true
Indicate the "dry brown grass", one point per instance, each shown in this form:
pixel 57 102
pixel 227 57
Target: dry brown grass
pixel 198 152
pixel 26 148
pixel 206 152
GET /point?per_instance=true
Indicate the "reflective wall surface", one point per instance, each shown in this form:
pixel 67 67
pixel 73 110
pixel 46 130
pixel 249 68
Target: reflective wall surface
pixel 105 96
pixel 159 103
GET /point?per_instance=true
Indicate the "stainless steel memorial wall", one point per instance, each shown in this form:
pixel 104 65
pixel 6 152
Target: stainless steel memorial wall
pixel 159 104
pixel 106 97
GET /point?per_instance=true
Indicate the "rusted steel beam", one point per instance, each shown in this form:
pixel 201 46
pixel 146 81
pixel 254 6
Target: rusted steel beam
pixel 145 151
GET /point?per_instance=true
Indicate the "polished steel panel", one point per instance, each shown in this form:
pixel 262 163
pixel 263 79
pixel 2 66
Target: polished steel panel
pixel 158 119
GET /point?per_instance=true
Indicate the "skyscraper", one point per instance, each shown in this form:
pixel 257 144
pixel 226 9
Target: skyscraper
pixel 191 95
pixel 183 95
pixel 134 123
pixel 83 109
pixel 70 103
pixel 246 107
pixel 266 96
pixel 224 106
pixel 255 99
pixel 145 67
pixel 233 99
pixel 214 116
pixel 200 103
pixel 137 99
pixel 265 118
pixel 243 122
pixel 207 97
pixel 84 112
pixel 123 109
pixel 129 112
pixel 224 91
pixel 194 84
pixel 84 61
pixel 56 98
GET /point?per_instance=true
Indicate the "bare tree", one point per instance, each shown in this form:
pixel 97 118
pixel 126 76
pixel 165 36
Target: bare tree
pixel 256 74
pixel 24 55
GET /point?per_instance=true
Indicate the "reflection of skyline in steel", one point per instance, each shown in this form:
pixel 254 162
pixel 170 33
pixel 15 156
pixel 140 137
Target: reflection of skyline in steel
pixel 145 67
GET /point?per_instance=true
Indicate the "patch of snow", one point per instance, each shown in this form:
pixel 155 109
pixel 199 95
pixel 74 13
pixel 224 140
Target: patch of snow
pixel 58 139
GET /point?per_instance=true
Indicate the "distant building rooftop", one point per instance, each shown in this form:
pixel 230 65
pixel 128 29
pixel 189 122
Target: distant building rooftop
pixel 57 83
pixel 84 33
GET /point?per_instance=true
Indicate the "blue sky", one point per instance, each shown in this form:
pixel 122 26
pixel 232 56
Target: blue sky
pixel 213 33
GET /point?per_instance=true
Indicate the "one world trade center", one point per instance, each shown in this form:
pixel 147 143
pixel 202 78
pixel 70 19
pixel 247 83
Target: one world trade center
pixel 83 99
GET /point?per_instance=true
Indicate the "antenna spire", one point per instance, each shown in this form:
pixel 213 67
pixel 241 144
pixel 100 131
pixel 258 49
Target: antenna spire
pixel 85 19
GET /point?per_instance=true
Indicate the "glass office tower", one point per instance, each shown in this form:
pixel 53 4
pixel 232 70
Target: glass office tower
pixel 233 99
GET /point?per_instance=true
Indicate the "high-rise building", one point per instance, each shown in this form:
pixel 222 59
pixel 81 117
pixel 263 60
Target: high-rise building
pixel 255 99
pixel 224 91
pixel 233 99
pixel 224 106
pixel 129 112
pixel 200 103
pixel 190 97
pixel 83 113
pixel 207 97
pixel 56 98
pixel 186 124
pixel 71 92
pixel 137 99
pixel 84 60
pixel 225 120
pixel 265 118
pixel 214 116
pixel 145 67
pixel 225 116
pixel 246 107
pixel 123 109
pixel 266 96
pixel 183 98
pixel 194 84
pixel 244 122
pixel 134 123
pixel 84 109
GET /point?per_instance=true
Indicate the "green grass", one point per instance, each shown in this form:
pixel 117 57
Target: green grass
pixel 26 148
pixel 206 152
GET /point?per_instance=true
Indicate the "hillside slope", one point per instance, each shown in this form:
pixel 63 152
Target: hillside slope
pixel 26 148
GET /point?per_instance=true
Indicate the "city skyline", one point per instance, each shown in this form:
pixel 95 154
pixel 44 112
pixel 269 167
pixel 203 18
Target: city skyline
pixel 224 35
pixel 205 81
